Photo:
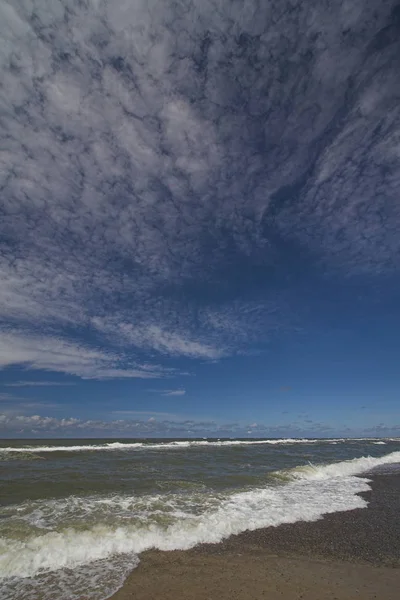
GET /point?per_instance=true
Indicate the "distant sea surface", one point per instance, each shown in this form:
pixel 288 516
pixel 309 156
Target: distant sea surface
pixel 76 514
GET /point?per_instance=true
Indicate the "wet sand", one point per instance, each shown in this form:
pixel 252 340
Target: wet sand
pixel 343 556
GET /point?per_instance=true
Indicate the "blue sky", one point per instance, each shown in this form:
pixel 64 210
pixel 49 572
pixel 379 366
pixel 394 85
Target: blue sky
pixel 200 218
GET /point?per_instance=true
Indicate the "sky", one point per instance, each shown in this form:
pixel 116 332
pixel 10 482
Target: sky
pixel 199 218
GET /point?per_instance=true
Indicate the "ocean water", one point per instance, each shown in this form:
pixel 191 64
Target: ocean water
pixel 76 514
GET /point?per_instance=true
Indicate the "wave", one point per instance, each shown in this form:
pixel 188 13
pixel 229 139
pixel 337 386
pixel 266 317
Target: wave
pixel 179 445
pixel 345 468
pixel 249 510
pixel 312 492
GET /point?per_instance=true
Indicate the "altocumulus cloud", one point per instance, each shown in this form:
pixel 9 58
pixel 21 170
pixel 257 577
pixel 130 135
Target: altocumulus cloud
pixel 37 426
pixel 150 146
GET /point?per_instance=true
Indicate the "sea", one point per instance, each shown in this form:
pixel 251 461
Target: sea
pixel 75 515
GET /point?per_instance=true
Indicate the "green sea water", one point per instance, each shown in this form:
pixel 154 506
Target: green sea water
pixel 76 514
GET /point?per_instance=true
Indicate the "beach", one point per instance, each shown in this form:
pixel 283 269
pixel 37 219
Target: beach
pixel 343 556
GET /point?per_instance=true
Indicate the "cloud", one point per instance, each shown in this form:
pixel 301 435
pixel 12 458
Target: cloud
pixel 382 429
pixel 168 392
pixel 154 337
pixel 151 155
pixel 35 422
pixel 154 424
pixel 56 354
pixel 39 384
pixel 160 424
pixel 4 397
pixel 151 414
pixel 13 405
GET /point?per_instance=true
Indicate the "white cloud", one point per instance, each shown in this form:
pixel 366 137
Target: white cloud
pixel 39 384
pixel 174 343
pixel 135 422
pixel 154 424
pixel 179 392
pixel 154 337
pixel 147 414
pixel 55 354
pixel 5 397
pixel 145 146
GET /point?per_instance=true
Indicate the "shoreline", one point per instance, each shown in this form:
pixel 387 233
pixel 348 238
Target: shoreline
pixel 345 555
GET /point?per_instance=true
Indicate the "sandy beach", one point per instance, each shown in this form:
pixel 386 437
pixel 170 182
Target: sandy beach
pixel 349 555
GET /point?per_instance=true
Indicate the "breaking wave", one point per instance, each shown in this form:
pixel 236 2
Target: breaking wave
pixel 177 445
pixel 109 532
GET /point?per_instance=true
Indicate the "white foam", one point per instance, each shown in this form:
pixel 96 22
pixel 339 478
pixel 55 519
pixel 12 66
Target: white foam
pixel 174 445
pixel 70 547
pixel 120 528
pixel 73 511
pixel 315 490
pixel 345 468
pixel 95 580
pixel 86 448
